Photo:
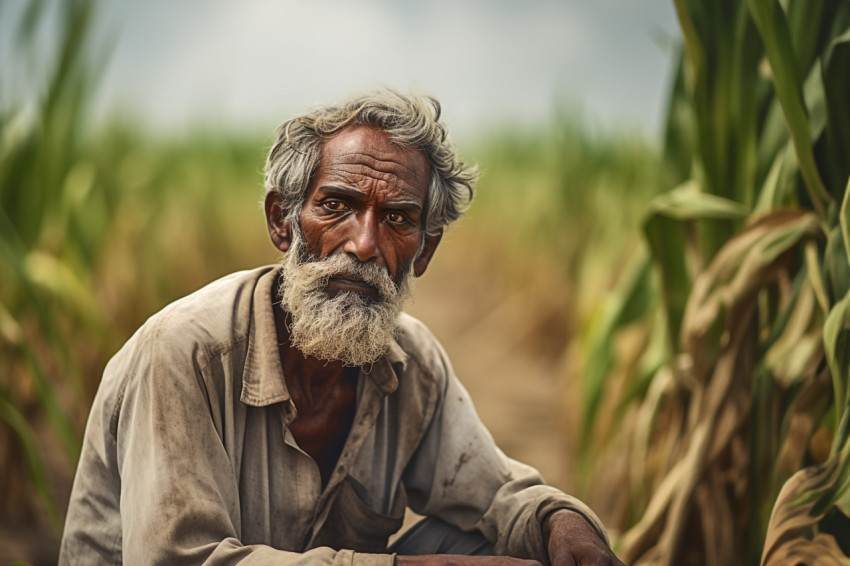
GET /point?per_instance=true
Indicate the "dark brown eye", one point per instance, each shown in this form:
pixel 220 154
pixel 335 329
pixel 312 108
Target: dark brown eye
pixel 395 217
pixel 334 205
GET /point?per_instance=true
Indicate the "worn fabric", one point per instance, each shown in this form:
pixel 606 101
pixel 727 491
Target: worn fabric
pixel 433 536
pixel 188 457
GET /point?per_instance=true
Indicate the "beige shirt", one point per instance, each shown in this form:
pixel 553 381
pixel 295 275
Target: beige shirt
pixel 188 457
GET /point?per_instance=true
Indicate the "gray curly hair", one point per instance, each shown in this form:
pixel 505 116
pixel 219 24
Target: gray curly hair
pixel 410 121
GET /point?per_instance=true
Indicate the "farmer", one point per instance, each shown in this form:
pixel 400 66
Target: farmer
pixel 290 414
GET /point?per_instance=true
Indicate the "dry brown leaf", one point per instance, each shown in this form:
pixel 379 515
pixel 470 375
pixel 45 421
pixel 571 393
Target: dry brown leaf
pixel 823 550
pixel 794 519
pixel 750 261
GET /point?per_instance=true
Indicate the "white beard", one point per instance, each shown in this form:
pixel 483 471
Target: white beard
pixel 349 326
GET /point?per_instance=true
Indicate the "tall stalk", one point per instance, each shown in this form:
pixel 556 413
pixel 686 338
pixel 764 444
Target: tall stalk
pixel 739 432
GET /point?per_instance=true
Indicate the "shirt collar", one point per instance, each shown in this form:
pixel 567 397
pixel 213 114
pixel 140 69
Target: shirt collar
pixel 386 371
pixel 263 382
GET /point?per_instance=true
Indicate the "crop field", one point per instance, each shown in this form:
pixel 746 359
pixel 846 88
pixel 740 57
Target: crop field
pixel 681 313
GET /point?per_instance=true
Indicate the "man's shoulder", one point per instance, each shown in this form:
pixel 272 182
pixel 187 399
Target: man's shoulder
pixel 422 348
pixel 168 353
pixel 212 318
pixel 224 305
pixel 414 335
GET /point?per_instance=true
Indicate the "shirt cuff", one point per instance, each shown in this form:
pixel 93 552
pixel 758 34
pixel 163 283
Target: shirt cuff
pixel 347 557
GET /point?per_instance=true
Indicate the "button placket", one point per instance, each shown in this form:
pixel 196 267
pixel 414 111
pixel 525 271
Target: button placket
pixel 364 420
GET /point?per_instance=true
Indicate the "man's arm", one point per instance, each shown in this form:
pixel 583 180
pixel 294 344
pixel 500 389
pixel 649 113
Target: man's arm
pixel 459 475
pixel 459 560
pixel 568 536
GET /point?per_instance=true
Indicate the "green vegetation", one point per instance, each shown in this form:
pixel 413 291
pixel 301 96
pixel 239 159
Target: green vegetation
pixel 565 192
pixel 714 377
pixel 738 450
pixel 97 231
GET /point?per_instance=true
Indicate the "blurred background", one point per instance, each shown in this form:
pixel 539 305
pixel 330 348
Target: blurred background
pixel 622 144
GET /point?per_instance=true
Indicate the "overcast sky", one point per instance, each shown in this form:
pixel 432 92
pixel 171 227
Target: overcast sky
pixel 256 62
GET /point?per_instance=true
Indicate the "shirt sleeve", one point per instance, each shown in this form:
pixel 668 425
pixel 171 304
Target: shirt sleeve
pixel 460 475
pixel 153 441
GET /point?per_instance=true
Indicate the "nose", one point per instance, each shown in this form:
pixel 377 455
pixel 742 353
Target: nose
pixel 362 243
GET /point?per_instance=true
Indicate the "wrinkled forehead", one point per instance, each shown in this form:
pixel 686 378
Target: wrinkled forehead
pixel 372 147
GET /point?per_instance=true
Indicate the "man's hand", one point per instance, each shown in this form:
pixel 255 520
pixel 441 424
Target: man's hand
pixel 458 560
pixel 571 541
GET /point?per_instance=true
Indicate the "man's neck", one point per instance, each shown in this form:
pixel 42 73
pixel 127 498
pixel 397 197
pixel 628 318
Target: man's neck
pixel 324 396
pixel 311 381
pixel 307 378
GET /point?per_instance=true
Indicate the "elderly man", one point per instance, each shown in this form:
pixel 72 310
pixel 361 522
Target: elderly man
pixel 290 414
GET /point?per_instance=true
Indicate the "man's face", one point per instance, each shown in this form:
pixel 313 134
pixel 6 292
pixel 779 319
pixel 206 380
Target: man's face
pixel 360 230
pixel 366 200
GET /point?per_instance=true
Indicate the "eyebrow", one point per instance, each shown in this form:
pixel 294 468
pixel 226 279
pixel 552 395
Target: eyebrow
pixel 354 194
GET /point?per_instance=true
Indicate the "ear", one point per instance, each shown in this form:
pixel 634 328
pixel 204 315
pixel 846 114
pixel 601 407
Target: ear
pixel 279 231
pixel 421 262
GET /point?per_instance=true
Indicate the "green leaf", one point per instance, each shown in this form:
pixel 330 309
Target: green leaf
pixel 836 337
pixel 844 218
pixel 836 265
pixel 687 202
pixel 773 27
pixel 778 187
pixel 835 332
pixel 678 132
pixel 670 230
pixel 53 277
pixel 25 436
pixel 627 305
pixel 693 46
pixel 836 83
pixel 799 342
pixel 813 263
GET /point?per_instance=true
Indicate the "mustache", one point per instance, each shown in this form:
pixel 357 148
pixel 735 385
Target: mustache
pixel 347 267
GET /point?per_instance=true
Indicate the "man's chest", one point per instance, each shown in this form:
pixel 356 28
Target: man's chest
pixel 321 431
pixel 282 496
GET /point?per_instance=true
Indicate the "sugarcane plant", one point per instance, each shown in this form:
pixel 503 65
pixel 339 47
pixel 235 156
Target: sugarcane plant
pixel 737 444
pixel 94 237
pixel 49 242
